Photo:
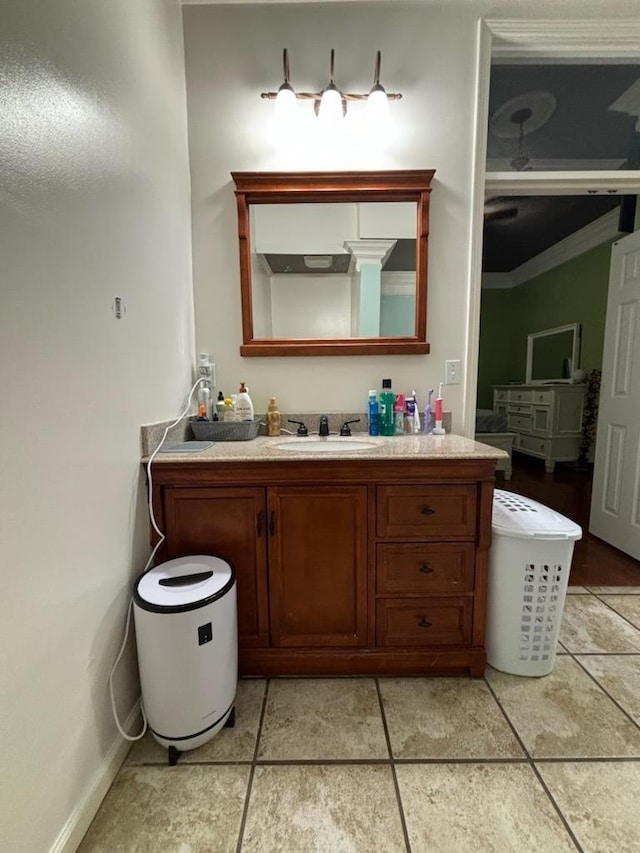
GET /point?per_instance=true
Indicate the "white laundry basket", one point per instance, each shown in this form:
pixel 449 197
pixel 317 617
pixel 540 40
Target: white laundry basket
pixel 529 564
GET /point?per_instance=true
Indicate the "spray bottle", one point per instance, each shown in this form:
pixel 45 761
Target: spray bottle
pixel 438 428
pixel 428 426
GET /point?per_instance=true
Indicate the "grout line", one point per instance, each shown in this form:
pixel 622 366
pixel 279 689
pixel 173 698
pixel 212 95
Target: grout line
pixel 247 796
pixel 613 610
pixel 606 692
pixel 533 767
pixel 403 821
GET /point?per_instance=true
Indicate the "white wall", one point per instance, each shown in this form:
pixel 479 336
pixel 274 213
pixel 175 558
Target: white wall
pixel 429 52
pixel 94 201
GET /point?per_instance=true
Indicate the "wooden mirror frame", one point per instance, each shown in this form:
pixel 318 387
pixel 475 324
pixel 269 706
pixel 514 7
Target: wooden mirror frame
pixel 317 187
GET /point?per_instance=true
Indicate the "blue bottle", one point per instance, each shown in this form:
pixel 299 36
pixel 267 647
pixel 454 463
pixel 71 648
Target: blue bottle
pixel 374 413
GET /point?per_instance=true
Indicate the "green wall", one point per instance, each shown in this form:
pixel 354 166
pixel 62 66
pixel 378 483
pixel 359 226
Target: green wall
pixel 574 292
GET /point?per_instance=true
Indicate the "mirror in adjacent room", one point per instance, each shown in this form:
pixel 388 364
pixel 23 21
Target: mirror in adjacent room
pixel 552 354
pixel 333 263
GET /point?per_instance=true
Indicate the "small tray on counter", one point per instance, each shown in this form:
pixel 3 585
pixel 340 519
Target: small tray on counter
pixel 225 431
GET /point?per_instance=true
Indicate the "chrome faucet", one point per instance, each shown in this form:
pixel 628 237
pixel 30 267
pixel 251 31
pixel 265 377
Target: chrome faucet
pixel 323 427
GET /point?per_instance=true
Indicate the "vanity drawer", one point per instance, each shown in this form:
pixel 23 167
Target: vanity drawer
pixel 521 396
pixel 534 445
pixel 423 621
pixel 428 512
pixel 418 567
pixel 519 422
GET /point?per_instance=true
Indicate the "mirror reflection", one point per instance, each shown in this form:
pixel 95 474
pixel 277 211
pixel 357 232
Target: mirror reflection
pixel 333 263
pixel 552 355
pixel 334 270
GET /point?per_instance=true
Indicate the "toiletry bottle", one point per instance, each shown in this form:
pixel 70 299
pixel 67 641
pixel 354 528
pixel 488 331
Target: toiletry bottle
pixel 244 406
pixel 409 414
pixel 428 425
pixel 204 398
pixel 416 415
pixel 374 413
pixel 202 412
pixel 220 406
pixel 273 418
pixel 398 415
pixel 229 411
pixel 387 400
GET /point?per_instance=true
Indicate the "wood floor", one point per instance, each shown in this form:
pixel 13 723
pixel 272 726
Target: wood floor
pixel 568 491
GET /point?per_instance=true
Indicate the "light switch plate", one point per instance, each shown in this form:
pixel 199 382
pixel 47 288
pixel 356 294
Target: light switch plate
pixel 452 372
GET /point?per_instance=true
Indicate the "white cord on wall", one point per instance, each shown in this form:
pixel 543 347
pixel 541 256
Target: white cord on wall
pixel 161 538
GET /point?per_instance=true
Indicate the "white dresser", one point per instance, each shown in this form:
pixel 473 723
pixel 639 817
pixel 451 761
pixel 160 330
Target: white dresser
pixel 547 419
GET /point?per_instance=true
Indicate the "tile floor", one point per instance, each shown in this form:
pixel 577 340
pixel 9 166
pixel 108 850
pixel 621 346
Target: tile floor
pixel 502 764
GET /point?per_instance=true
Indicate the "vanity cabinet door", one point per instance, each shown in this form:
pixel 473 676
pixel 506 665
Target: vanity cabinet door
pixel 229 523
pixel 318 565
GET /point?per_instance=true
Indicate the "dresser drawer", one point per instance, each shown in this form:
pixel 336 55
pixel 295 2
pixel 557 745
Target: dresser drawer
pixel 519 422
pixel 428 512
pixel 422 568
pixel 519 396
pixel 522 409
pixel 544 397
pixel 423 621
pixel 500 394
pixel 534 445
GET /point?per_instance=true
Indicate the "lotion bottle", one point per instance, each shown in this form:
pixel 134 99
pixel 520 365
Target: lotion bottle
pixel 273 418
pixel 244 406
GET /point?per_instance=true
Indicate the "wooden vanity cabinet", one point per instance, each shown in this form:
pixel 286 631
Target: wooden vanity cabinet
pixel 344 567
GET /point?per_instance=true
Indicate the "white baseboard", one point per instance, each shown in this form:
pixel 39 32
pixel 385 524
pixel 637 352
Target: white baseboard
pixel 84 812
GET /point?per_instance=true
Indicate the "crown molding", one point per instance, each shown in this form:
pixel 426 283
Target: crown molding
pixel 594 234
pixel 497 281
pixel 601 38
pixel 398 283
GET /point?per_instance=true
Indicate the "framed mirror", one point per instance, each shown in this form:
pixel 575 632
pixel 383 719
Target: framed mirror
pixel 333 263
pixel 552 355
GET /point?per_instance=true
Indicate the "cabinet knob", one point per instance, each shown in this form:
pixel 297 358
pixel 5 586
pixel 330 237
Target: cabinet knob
pixel 427 510
pixel 425 569
pixel 424 623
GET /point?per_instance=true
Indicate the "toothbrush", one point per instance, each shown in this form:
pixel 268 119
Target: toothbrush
pixel 427 414
pixel 416 414
pixel 438 428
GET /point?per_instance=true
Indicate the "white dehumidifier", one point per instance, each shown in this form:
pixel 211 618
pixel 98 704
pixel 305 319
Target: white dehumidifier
pixel 187 638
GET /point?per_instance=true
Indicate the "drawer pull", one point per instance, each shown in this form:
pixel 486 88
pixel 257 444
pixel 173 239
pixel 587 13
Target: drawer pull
pixel 425 569
pixel 427 510
pixel 424 623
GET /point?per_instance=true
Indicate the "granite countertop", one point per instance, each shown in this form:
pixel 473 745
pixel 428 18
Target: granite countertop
pixel 263 449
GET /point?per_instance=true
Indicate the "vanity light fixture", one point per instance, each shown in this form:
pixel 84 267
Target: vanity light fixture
pixel 331 102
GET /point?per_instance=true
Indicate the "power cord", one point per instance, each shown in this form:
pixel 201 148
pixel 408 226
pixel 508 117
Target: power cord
pixel 149 563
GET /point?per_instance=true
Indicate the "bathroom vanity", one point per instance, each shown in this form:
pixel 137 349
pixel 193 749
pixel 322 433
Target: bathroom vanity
pixel 348 562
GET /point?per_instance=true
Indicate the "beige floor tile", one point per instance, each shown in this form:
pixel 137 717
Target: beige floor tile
pixel 599 801
pixel 615 590
pixel 475 808
pixel 588 625
pixel 323 809
pixel 565 714
pixel 185 809
pixel 620 677
pixel 236 744
pixel 577 590
pixel 322 718
pixel 445 718
pixel 626 605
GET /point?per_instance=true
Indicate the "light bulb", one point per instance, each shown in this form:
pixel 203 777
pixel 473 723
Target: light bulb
pixel 286 103
pixel 331 105
pixel 377 105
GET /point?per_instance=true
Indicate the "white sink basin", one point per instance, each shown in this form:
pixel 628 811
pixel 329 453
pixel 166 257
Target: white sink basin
pixel 324 445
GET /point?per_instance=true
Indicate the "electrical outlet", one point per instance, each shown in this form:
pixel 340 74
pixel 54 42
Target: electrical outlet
pixel 452 371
